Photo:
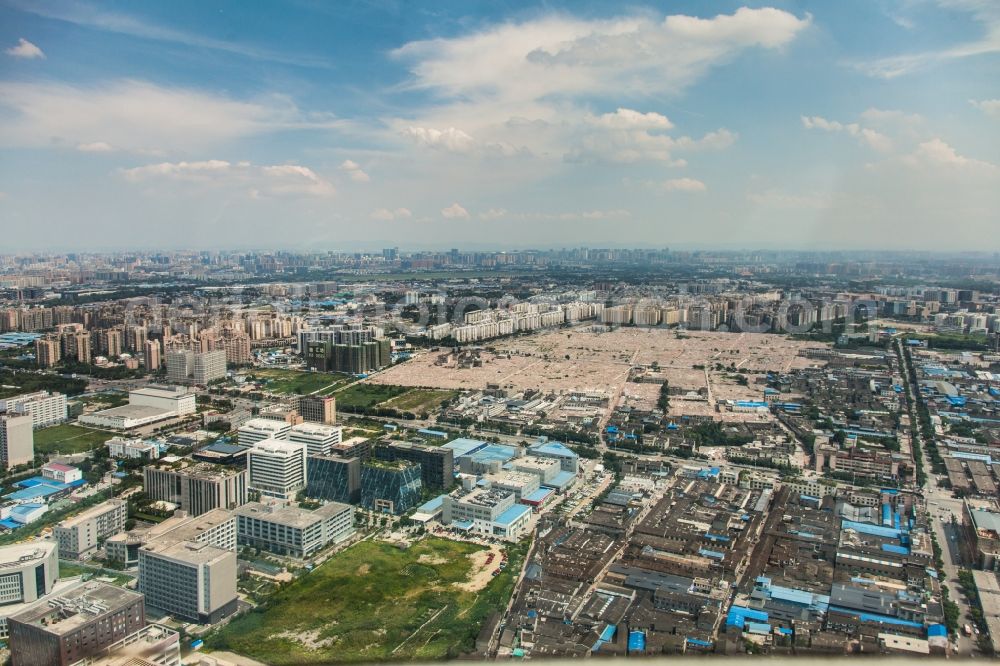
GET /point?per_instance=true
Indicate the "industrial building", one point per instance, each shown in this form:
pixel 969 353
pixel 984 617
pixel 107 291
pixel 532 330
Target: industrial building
pixel 147 405
pixel 488 511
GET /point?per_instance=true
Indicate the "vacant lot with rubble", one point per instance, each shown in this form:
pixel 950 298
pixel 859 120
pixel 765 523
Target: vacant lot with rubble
pixel 582 360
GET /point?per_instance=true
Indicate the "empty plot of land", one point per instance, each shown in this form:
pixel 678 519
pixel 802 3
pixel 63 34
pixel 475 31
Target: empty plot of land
pixel 583 360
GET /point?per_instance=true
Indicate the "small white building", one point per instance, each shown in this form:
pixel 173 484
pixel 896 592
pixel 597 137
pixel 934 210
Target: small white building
pixel 133 449
pixel 61 473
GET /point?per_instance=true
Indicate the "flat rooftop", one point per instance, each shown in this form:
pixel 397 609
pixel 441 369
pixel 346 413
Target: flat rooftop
pixel 76 606
pixel 134 412
pixel 193 552
pixel 290 516
pixel 19 554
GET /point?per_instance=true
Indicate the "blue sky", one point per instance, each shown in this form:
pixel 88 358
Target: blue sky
pixel 350 125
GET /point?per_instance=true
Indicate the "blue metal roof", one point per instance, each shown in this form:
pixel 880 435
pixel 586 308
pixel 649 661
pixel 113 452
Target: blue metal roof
pixel 463 446
pixel 636 641
pixel 538 496
pixel 512 514
pixel 431 506
pixel 738 616
pixel 554 448
pixel 875 617
pixel 873 530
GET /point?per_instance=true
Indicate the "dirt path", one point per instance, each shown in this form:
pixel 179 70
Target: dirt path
pixel 482 573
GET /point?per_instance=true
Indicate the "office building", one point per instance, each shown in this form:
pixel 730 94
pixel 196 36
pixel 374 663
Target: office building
pixel 17 440
pixel 28 572
pixel 216 527
pixel 132 449
pixel 519 483
pixel 188 367
pixel 196 488
pixel 289 530
pixel 546 469
pixel 79 536
pixel 334 478
pixel 319 439
pixel 151 356
pixel 318 409
pixel 221 453
pixel 390 486
pixel 490 512
pixel 44 408
pixel 437 464
pixel 189 570
pixel 74 625
pixel 256 430
pixel 277 468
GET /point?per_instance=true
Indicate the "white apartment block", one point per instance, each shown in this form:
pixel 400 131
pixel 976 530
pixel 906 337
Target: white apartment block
pixel 277 468
pixel 319 439
pixel 79 536
pixel 44 408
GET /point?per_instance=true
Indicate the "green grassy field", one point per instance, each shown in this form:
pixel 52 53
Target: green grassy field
pixel 418 400
pixel 363 396
pixel 68 438
pixel 372 602
pixel 298 382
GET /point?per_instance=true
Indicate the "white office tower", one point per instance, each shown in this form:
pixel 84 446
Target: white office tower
pixel 319 439
pixel 17 440
pixel 277 468
pixel 44 408
pixel 256 430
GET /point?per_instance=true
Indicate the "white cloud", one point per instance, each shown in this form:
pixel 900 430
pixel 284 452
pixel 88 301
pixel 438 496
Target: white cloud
pixel 683 185
pixel 493 214
pixel 257 180
pixel 137 116
pixel 875 140
pixel 25 49
pixel 936 153
pixel 354 171
pixel 451 139
pixel 95 147
pixel 628 146
pixel 629 119
pixel 526 87
pixel 990 107
pixel 387 214
pixel 455 212
pixel 563 56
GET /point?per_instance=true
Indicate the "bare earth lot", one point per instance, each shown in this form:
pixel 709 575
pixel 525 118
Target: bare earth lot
pixel 578 360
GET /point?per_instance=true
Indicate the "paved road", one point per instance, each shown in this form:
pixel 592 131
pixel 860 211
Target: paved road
pixel 942 506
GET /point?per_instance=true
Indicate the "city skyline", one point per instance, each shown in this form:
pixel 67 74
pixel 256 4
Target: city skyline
pixel 302 126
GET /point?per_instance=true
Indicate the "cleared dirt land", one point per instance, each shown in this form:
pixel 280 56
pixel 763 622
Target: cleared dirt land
pixel 584 361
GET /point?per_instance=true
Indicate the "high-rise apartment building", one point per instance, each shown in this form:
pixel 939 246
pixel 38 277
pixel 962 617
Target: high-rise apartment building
pixel 187 367
pixel 17 440
pixel 76 346
pixel 75 624
pixel 318 409
pixel 151 355
pixel 196 488
pixel 79 536
pixel 48 352
pixel 110 342
pixel 277 468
